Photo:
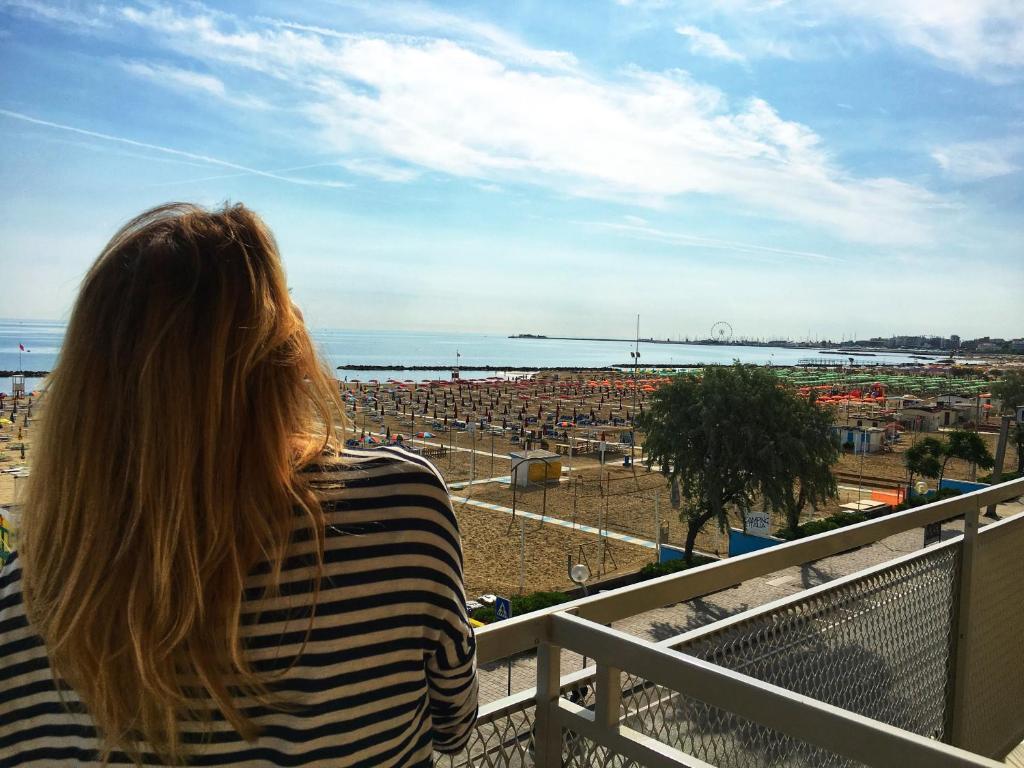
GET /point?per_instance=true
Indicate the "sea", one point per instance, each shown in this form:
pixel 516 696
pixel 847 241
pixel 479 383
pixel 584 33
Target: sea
pixel 443 351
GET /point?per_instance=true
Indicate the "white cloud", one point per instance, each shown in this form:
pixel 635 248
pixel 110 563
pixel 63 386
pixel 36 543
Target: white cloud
pixel 708 44
pixel 209 160
pixel 57 14
pixel 379 170
pixel 642 137
pixel 189 81
pixel 682 239
pixel 981 38
pixel 976 161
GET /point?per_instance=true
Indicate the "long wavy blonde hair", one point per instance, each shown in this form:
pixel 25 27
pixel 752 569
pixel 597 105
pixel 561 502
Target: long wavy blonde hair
pixel 186 397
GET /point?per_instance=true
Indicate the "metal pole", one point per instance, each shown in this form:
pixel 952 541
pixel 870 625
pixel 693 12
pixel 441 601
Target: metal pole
pixel 968 552
pixel 657 527
pixel 632 421
pixel 602 513
pixel 522 554
pixel 997 470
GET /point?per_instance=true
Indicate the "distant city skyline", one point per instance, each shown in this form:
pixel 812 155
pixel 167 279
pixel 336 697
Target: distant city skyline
pixel 818 170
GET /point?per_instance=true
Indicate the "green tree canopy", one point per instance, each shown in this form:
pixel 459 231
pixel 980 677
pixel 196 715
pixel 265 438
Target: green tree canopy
pixel 735 434
pixel 925 459
pixel 805 448
pixel 969 447
pixel 1010 390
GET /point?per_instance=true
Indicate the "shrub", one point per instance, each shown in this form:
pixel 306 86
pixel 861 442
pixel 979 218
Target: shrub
pixel 931 496
pixel 535 601
pixel 825 524
pixel 524 604
pixel 654 570
pixel 1004 478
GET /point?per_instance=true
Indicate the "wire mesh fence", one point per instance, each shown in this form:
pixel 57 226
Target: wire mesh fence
pixel 881 646
pixel 993 696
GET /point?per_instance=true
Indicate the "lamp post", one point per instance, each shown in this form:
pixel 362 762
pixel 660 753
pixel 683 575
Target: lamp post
pixel 632 421
pixel 580 575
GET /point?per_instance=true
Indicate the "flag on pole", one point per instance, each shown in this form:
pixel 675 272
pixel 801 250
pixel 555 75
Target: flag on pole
pixel 21 347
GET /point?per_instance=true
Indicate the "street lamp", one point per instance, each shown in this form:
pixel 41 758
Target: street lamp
pixel 632 421
pixel 580 575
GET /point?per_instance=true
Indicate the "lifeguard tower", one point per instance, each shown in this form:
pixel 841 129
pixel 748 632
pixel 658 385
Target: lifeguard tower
pixel 18 385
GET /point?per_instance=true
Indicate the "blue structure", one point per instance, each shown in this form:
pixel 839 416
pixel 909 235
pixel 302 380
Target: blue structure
pixel 741 543
pixel 964 486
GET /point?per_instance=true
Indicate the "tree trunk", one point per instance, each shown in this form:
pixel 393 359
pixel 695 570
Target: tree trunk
pixel 693 527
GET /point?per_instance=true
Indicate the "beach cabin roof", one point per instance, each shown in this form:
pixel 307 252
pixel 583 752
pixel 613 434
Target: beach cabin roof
pixel 538 454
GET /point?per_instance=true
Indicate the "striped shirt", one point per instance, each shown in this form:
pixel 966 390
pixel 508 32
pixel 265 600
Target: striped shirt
pixel 387 677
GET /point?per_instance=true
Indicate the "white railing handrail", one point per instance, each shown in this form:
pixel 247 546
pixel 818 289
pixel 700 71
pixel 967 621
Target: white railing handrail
pixel 852 735
pixel 522 633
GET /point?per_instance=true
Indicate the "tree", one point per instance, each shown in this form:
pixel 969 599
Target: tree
pixel 1018 438
pixel 728 437
pixel 967 446
pixel 924 459
pixel 1010 390
pixel 806 447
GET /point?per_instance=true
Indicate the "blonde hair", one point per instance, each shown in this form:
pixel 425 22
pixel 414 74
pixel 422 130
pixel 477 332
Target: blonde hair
pixel 186 397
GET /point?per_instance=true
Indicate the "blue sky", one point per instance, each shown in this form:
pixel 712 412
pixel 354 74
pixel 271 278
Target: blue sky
pixel 807 168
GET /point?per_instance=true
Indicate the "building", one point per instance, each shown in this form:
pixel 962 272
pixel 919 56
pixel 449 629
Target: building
pixel 536 466
pixel 860 439
pixel 929 418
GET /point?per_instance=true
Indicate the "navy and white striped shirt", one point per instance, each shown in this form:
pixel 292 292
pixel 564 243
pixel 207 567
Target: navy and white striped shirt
pixel 388 674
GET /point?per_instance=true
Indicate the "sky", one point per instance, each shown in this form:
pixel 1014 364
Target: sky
pixel 807 169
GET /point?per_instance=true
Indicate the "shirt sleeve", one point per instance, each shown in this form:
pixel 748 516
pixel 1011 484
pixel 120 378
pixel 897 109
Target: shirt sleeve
pixel 451 675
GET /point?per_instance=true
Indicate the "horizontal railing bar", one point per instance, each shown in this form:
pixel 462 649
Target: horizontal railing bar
pixel 526 698
pixel 505 706
pixel 523 633
pixel 847 733
pixel 643 749
pixel 1013 521
pixel 805 594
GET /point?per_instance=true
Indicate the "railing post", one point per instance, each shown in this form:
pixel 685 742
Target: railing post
pixel 607 709
pixel 968 553
pixel 548 735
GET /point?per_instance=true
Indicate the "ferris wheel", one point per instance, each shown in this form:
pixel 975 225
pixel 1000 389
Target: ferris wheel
pixel 721 332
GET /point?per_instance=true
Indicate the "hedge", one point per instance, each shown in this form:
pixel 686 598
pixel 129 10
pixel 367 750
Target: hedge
pixel 535 601
pixel 842 519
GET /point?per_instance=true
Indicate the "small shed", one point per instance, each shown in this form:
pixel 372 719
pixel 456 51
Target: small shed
pixel 862 439
pixel 536 466
pixel 928 418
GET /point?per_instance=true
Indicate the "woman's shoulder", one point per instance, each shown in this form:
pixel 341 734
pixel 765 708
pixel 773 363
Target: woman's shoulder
pixel 375 467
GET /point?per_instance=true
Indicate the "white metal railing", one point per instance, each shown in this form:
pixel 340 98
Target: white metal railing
pixel 556 731
pixel 523 633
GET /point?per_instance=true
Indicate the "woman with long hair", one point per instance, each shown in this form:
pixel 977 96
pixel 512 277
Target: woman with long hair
pixel 204 576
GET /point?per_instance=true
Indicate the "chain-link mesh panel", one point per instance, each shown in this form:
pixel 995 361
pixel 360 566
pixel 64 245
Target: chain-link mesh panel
pixel 993 698
pixel 581 752
pixel 506 738
pixel 880 646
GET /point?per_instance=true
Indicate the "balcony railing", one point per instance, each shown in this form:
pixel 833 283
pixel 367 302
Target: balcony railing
pixel 917 661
